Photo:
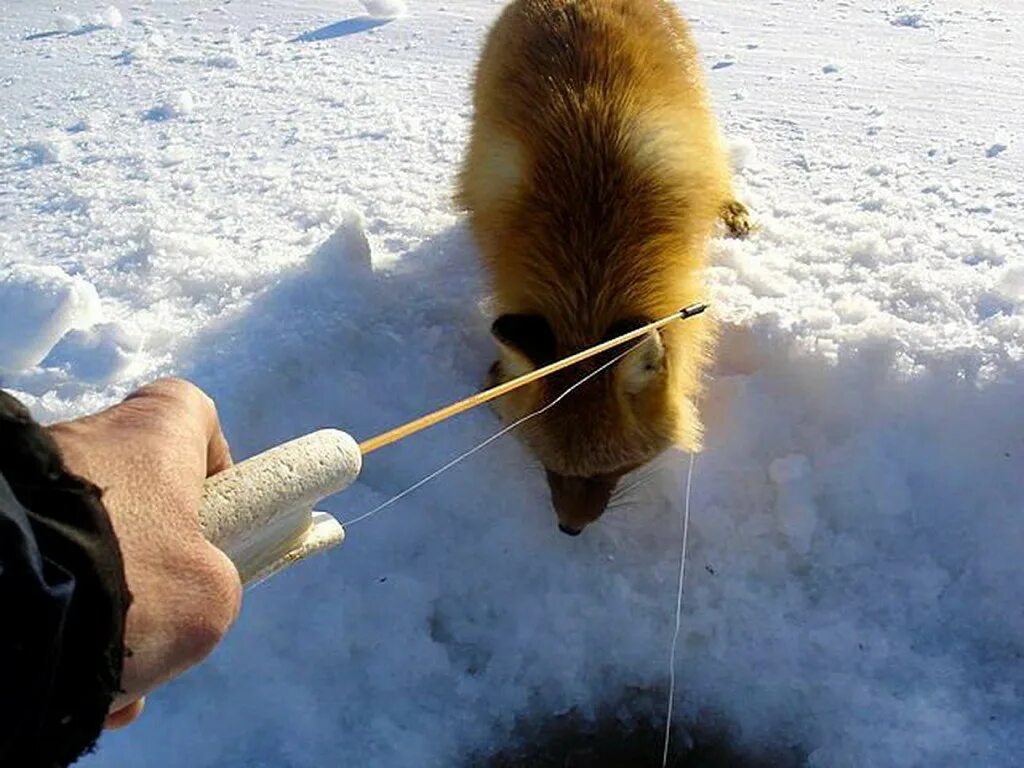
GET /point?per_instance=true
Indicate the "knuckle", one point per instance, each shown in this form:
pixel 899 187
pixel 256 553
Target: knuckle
pixel 170 387
pixel 179 391
pixel 178 403
pixel 196 638
pixel 213 603
pixel 198 402
pixel 175 384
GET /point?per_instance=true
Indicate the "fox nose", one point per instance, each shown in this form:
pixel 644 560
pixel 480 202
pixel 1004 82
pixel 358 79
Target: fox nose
pixel 569 531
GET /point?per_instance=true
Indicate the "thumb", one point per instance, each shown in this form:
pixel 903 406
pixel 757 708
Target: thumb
pixel 125 716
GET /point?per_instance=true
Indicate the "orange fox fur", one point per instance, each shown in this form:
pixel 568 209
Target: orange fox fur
pixel 594 177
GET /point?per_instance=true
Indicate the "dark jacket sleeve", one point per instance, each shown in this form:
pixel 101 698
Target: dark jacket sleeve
pixel 63 601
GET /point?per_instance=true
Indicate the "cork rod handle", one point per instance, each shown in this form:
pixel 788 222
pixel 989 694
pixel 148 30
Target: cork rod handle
pixel 260 511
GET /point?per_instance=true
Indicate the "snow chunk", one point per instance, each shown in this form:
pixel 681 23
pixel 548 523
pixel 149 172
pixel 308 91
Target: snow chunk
pixel 995 150
pixel 1010 285
pixel 111 18
pixel 38 305
pixel 177 105
pixel 742 153
pixel 224 61
pixel 44 151
pixel 385 9
pixel 855 308
pixel 346 246
pixel 99 354
pixel 176 154
pixel 68 22
pixel 869 249
pixel 987 250
pixel 153 44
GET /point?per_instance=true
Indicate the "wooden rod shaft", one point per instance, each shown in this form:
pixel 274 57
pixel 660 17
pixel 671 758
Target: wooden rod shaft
pixel 412 427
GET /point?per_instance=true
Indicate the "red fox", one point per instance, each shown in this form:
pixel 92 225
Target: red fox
pixel 594 176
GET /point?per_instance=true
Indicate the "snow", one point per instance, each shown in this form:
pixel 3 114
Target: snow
pixel 38 305
pixel 44 151
pixel 178 104
pixel 742 153
pixel 794 502
pixel 258 196
pixel 98 355
pixel 385 9
pixel 110 18
pixel 1010 284
pixel 66 22
pixel 912 20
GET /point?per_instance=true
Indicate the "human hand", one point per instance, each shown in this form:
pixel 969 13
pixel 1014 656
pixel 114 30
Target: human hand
pixel 150 456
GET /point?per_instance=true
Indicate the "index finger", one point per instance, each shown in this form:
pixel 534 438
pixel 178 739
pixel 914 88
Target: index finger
pixel 200 407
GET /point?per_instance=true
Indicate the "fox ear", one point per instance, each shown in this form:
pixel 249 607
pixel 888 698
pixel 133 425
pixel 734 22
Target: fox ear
pixel 643 365
pixel 527 342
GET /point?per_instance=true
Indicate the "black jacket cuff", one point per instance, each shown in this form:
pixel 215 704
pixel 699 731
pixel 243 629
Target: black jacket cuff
pixel 64 599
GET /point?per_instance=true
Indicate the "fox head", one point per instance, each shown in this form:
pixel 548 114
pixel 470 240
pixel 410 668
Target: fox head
pixel 613 423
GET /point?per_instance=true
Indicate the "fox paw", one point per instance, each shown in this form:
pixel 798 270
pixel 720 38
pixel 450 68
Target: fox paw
pixel 736 218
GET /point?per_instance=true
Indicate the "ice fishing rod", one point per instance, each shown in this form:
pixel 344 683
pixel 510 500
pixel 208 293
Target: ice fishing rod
pixel 259 512
pixel 412 427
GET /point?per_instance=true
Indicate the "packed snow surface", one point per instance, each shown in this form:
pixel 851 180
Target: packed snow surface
pixel 257 196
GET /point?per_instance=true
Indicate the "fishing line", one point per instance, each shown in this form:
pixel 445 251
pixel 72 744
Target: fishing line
pixel 501 433
pixel 400 432
pixel 679 615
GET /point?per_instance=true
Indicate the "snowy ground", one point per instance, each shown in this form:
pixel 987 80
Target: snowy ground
pixel 257 196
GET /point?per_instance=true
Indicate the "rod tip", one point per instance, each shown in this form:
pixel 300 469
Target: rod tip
pixel 693 309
